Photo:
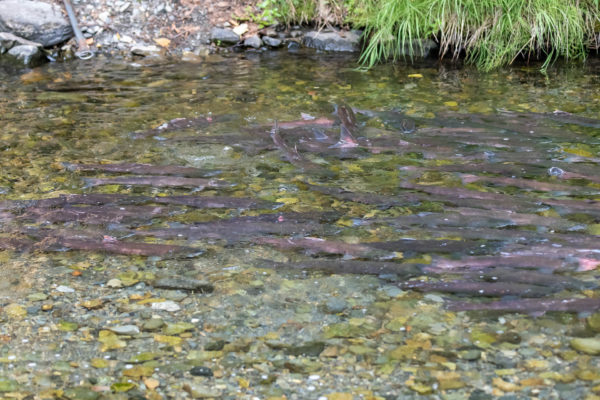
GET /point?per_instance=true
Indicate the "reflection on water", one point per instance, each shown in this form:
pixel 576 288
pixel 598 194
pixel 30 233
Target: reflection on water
pixel 339 215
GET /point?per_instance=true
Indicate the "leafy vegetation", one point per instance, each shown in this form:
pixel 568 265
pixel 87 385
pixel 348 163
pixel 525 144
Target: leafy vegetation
pixel 489 33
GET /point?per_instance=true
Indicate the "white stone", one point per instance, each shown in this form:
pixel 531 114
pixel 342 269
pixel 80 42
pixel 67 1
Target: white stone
pixel 124 329
pixel 114 283
pixel 241 29
pixel 168 305
pixel 65 289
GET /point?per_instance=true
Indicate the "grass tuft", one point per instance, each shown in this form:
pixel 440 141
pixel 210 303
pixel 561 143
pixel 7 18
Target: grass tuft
pixel 489 33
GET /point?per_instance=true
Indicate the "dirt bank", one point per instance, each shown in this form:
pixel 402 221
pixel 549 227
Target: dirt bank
pixel 179 26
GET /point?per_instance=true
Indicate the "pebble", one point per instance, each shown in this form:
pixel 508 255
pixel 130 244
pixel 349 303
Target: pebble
pixel 153 324
pixel 240 29
pixel 594 322
pixel 215 345
pixel 335 305
pixel 226 36
pixel 168 305
pixel 37 296
pixel 470 355
pixel 178 283
pixel 271 42
pixel 201 391
pixel 124 329
pixel 65 289
pixel 503 361
pixel 201 371
pixel 253 41
pixel 479 394
pixel 114 283
pixel 434 297
pixel 586 345
pixel 15 311
pixel 555 171
pixel 145 50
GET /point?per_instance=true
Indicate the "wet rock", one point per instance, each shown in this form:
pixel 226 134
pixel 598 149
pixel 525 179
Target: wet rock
pixel 114 283
pixel 124 329
pixel 15 311
pixel 34 20
pixel 200 355
pixel 302 365
pixel 528 352
pixel 146 50
pixel 168 305
pixel 201 371
pixel 175 295
pixel 311 349
pixel 271 42
pixel 479 394
pixel 201 391
pixel 503 361
pixel 153 324
pixel 81 393
pixel 224 36
pixel 510 337
pixel 177 328
pixel 39 296
pixel 470 355
pixel 253 41
pixel 586 345
pixel 177 283
pixel 292 45
pixel 555 171
pixel 29 56
pixel 215 345
pixel 335 305
pixel 65 289
pixel 8 385
pixel 8 41
pixel 333 41
pixel 594 322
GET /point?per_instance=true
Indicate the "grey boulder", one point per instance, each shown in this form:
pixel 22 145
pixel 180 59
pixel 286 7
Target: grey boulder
pixel 225 36
pixel 34 20
pixel 27 55
pixel 253 41
pixel 347 41
pixel 8 41
pixel 271 42
pixel 145 50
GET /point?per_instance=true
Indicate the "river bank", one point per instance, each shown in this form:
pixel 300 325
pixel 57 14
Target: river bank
pixel 191 29
pixel 34 31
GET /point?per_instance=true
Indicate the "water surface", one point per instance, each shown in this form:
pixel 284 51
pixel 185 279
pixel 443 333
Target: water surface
pixel 330 270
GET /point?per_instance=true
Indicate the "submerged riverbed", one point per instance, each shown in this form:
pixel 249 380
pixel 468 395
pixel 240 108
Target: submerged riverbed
pixel 268 227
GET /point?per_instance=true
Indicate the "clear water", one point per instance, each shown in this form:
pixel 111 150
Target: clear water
pixel 476 195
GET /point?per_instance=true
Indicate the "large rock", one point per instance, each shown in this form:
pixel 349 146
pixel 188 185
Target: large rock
pixel 27 55
pixel 40 22
pixel 8 41
pixel 146 50
pixel 224 36
pixel 333 41
pixel 253 41
pixel 271 42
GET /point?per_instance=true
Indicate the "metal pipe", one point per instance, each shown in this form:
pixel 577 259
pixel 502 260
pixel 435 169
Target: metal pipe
pixel 84 52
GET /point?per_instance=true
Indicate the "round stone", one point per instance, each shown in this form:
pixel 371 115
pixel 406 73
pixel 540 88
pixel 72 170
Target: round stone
pixel 201 371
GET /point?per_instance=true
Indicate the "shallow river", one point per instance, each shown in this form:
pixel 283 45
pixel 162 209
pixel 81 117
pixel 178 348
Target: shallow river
pixel 291 227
